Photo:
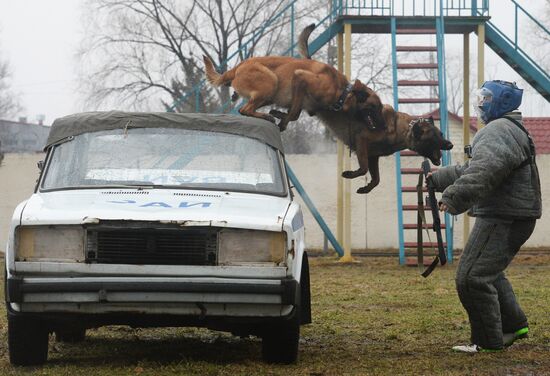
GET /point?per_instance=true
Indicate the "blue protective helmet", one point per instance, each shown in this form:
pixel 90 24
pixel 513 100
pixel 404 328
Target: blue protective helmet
pixel 495 98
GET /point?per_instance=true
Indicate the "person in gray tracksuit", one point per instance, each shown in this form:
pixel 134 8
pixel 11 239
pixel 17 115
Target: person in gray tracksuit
pixel 499 186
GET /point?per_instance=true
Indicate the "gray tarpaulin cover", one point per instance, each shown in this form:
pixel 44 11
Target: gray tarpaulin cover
pixel 85 122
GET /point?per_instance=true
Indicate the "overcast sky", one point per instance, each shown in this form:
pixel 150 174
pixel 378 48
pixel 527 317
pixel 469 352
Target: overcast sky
pixel 40 38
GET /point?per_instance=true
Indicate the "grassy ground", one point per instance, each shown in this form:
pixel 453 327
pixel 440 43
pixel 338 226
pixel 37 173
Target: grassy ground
pixel 371 317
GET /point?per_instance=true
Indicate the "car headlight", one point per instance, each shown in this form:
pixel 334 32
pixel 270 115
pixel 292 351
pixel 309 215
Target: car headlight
pixel 238 247
pixel 50 243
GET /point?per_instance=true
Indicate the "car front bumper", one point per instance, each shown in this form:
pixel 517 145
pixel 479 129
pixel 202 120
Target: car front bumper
pixel 266 292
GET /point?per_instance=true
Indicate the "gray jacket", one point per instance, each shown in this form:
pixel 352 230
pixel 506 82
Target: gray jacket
pixel 491 183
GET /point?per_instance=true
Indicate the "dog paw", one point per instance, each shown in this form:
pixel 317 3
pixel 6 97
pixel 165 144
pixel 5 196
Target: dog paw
pixel 352 174
pixel 365 189
pixel 278 114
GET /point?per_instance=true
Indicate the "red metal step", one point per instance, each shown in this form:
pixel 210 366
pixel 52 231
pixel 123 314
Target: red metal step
pixel 416 48
pixel 418 100
pixel 417 83
pixel 415 207
pixel 409 153
pixel 414 226
pixel 414 171
pixel 424 244
pixel 415 31
pixel 412 189
pixel 417 66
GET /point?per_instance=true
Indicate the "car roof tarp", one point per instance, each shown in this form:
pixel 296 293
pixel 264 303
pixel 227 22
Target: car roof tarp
pixel 73 125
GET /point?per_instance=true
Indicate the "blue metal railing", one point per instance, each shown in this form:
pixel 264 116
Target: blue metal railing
pixel 329 235
pixel 397 155
pixel 443 117
pixel 424 8
pixel 519 10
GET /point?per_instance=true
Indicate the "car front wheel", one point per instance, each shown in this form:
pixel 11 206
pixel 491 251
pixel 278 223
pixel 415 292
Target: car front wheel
pixel 27 341
pixel 280 343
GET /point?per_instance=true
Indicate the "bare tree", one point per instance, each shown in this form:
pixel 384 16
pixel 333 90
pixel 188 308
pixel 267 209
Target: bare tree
pixel 141 53
pixel 542 38
pixel 9 102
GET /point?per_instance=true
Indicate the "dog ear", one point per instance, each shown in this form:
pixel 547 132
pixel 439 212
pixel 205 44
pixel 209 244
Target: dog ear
pixel 388 113
pixel 361 96
pixel 359 91
pixel 417 130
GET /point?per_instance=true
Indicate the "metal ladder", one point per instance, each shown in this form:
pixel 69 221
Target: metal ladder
pixel 406 178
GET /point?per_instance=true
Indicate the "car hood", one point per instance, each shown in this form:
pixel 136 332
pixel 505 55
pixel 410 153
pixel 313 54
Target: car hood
pixel 189 208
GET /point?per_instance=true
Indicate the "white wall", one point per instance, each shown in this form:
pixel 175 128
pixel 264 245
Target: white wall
pixel 374 218
pixel 18 174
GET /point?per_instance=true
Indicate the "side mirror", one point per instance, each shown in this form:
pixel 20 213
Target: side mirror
pixel 40 165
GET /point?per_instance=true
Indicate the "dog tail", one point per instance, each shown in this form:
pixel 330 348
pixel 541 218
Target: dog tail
pixel 303 47
pixel 214 77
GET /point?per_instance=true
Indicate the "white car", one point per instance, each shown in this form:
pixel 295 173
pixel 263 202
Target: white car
pixel 158 219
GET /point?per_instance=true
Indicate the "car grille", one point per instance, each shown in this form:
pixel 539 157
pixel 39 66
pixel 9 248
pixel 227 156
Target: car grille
pixel 152 246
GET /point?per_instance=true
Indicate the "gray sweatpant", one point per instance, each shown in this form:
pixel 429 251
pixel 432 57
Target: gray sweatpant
pixel 482 287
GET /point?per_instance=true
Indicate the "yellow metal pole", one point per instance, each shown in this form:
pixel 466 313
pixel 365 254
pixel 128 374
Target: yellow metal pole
pixel 340 161
pixel 466 124
pixel 480 62
pixel 346 244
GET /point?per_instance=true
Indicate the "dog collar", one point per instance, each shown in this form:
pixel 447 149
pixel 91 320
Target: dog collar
pixel 340 103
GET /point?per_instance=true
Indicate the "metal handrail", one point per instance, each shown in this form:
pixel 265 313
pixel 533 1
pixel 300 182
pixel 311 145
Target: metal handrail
pixel 519 49
pixel 396 8
pixel 528 15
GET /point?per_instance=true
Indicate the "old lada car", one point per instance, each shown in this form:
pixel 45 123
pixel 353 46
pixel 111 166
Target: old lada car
pixel 158 219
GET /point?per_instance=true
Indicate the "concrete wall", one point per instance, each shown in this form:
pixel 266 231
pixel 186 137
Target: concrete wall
pixel 374 218
pixel 18 174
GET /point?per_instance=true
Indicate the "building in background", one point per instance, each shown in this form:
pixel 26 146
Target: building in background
pixel 22 136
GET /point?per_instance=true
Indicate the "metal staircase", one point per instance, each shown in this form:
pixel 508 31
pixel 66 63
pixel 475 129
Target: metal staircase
pixel 510 51
pixel 406 178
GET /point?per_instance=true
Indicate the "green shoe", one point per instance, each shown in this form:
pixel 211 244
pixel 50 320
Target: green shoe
pixel 510 338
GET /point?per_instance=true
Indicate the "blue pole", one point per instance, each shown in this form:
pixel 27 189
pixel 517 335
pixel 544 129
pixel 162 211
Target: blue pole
pixel 516 28
pixel 443 122
pixel 294 180
pixel 397 155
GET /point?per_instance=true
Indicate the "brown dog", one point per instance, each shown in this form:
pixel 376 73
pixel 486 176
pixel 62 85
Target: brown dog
pixel 402 132
pixel 297 84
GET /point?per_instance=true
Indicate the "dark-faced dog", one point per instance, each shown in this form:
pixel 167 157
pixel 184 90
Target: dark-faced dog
pixel 297 84
pixel 402 132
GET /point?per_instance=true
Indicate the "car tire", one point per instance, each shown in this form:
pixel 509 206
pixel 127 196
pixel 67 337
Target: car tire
pixel 27 341
pixel 70 335
pixel 280 343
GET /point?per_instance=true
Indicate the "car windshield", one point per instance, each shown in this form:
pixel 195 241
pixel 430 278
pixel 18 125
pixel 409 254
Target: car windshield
pixel 165 157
